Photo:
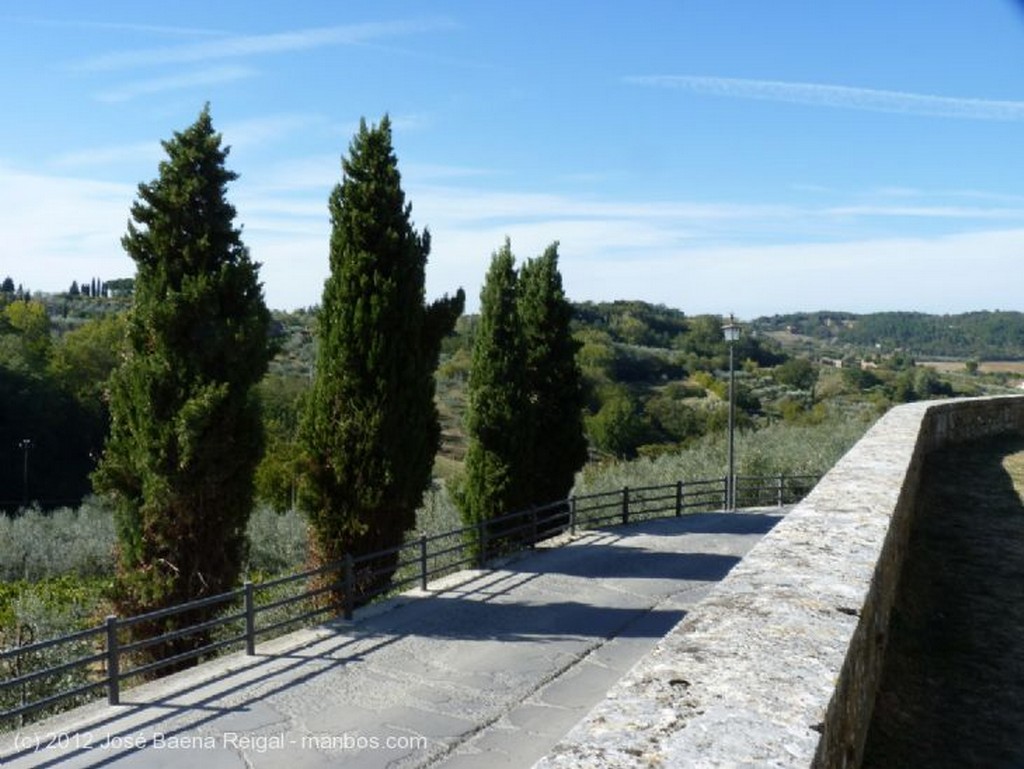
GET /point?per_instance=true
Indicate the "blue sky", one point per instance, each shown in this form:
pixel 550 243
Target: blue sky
pixel 730 156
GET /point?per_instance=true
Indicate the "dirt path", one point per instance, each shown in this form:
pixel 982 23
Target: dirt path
pixel 953 686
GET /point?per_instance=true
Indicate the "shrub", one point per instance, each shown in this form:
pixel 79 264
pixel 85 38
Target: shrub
pixel 35 545
pixel 278 542
pixel 792 449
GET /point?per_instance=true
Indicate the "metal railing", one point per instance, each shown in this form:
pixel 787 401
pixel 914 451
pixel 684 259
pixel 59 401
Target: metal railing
pixel 55 674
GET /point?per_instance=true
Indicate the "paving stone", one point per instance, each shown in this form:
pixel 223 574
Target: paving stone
pixel 491 672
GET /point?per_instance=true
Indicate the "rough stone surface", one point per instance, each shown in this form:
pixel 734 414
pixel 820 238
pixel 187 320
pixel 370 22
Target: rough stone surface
pixel 779 665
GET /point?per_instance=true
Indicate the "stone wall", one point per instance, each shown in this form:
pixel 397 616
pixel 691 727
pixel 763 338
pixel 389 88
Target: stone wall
pixel 779 665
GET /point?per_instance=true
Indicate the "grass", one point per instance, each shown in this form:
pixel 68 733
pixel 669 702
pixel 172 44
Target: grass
pixel 952 692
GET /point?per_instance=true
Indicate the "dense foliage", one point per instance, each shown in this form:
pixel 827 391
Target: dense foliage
pixel 370 429
pixel 525 392
pixel 981 335
pixel 186 432
pixel 553 381
pixel 53 414
pixel 496 416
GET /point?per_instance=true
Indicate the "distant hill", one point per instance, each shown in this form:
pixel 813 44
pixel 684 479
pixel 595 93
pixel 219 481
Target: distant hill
pixel 979 335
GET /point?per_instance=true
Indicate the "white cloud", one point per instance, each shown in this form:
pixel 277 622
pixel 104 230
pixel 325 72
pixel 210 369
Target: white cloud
pixel 61 227
pixel 846 97
pixel 952 273
pixel 154 29
pixel 177 82
pixel 316 175
pixel 142 152
pixel 58 228
pixel 927 212
pixel 469 205
pixel 255 45
pixel 254 132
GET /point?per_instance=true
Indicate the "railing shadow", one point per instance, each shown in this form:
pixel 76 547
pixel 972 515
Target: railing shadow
pixel 488 606
pixel 679 507
pixel 124 727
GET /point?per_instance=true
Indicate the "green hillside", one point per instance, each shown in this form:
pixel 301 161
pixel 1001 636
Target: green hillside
pixel 996 335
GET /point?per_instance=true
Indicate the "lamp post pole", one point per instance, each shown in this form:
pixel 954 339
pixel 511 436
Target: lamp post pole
pixel 25 445
pixel 732 333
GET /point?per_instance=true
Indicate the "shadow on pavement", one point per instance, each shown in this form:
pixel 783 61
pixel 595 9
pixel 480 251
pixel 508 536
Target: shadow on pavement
pixel 499 605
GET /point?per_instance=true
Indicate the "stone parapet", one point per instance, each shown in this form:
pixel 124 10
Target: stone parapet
pixel 779 665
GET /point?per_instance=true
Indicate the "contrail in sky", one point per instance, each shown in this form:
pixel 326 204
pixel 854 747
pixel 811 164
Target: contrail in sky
pixel 845 97
pixel 255 45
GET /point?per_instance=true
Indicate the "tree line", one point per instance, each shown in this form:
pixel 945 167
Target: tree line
pixel 525 394
pixel 984 335
pixel 188 424
pixel 182 410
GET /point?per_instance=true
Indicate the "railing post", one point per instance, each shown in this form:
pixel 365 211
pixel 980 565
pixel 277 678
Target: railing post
pixel 679 498
pixel 350 586
pixel 625 504
pixel 572 516
pixel 725 495
pixel 781 487
pixel 113 663
pixel 423 561
pixel 250 619
pixel 481 557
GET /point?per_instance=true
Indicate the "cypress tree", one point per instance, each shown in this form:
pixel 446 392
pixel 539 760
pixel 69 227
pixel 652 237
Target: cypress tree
pixel 554 383
pixel 186 433
pixel 497 408
pixel 370 432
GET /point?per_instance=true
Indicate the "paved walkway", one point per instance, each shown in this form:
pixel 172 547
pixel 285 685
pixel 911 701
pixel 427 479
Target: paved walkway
pixel 492 671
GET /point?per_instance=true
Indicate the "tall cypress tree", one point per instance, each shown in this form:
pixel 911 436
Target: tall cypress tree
pixel 554 383
pixel 497 411
pixel 371 428
pixel 186 432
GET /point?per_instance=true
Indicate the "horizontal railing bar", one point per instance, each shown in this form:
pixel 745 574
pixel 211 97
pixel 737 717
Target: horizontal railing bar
pixel 312 593
pixel 51 700
pixel 502 535
pixel 45 672
pixel 640 489
pixel 297 618
pixel 184 632
pixel 277 581
pixel 19 651
pixel 288 600
pixel 598 495
pixel 454 548
pixel 167 661
pixel 448 568
pixel 430 538
pixel 170 611
pixel 379 553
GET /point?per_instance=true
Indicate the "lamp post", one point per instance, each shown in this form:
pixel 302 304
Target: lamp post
pixel 26 445
pixel 732 333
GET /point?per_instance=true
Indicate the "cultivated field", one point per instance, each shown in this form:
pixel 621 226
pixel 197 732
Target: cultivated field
pixel 984 367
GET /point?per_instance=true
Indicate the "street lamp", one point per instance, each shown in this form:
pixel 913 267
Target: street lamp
pixel 26 445
pixel 732 333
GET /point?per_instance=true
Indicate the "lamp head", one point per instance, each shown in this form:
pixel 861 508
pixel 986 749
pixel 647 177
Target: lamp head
pixel 731 330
